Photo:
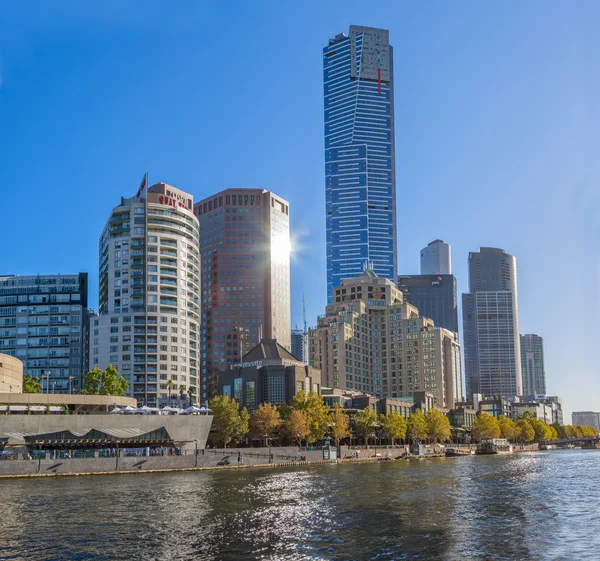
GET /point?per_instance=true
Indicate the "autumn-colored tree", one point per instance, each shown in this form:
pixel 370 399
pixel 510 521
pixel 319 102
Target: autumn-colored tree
pixel 296 426
pixel 416 426
pixel 264 421
pixel 393 426
pixel 507 427
pixel 524 431
pixel 365 421
pixel 485 426
pixel 438 425
pixel 229 423
pixel 340 426
pixel 316 412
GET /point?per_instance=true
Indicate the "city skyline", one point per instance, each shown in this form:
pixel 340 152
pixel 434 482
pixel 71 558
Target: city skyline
pixel 75 170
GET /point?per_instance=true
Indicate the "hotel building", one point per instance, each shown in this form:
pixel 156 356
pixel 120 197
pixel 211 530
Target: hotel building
pixel 148 325
pixel 371 341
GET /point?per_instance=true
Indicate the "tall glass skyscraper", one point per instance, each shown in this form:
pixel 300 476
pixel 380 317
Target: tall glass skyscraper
pixel 360 178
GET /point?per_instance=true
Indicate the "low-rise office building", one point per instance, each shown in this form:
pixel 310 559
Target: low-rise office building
pixel 268 373
pixel 496 406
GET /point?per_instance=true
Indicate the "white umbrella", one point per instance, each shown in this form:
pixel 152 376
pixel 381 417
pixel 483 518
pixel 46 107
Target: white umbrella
pixel 129 409
pixel 192 409
pixel 116 410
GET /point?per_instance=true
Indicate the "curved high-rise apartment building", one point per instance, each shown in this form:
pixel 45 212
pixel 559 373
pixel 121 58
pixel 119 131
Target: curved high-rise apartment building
pixel 149 295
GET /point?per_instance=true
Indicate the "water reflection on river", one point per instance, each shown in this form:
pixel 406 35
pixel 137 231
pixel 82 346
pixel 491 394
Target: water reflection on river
pixel 527 506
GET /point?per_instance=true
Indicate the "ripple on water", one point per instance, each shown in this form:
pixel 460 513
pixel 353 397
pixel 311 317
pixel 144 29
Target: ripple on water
pixel 521 507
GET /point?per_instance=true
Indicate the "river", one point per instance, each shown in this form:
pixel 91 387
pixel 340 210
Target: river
pixel 528 506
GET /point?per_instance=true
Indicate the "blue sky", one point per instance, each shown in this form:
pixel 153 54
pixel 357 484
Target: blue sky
pixel 497 140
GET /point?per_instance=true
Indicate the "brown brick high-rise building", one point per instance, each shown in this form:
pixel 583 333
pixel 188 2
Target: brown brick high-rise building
pixel 245 251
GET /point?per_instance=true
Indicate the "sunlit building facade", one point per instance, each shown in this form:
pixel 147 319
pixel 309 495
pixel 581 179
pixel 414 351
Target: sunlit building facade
pixel 360 179
pixel 245 249
pixel 148 325
pixel 491 325
pixel 371 341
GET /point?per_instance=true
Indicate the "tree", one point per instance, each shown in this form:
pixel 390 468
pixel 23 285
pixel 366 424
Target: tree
pixel 524 431
pixel 104 382
pixel 316 412
pixel 181 392
pixel 507 427
pixel 264 421
pixel 31 385
pixel 228 422
pixel 170 385
pixel 340 425
pixel 365 421
pixel 393 426
pixel 485 426
pixel 296 426
pixel 540 429
pixel 416 426
pixel 438 425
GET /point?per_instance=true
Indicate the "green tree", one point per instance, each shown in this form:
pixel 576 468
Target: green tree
pixel 113 383
pixel 438 425
pixel 31 385
pixel 416 426
pixel 92 381
pixel 104 382
pixel 364 422
pixel 393 426
pixel 316 412
pixel 507 427
pixel 229 423
pixel 524 431
pixel 296 426
pixel 485 426
pixel 340 428
pixel 264 421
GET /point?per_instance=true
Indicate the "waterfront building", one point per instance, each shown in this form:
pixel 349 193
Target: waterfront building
pixel 356 401
pixel 245 248
pixel 268 373
pixel 496 406
pixel 434 296
pixel 43 322
pixel 371 341
pixel 586 419
pixel 462 416
pixel 360 177
pixel 545 407
pixel 436 258
pixel 148 325
pixel 491 325
pixel 532 364
pixel 298 346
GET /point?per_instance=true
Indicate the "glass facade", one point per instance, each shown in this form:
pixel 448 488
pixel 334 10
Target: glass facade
pixel 245 252
pixel 360 180
pixel 43 322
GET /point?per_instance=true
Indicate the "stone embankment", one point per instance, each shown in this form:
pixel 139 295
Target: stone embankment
pixel 209 459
